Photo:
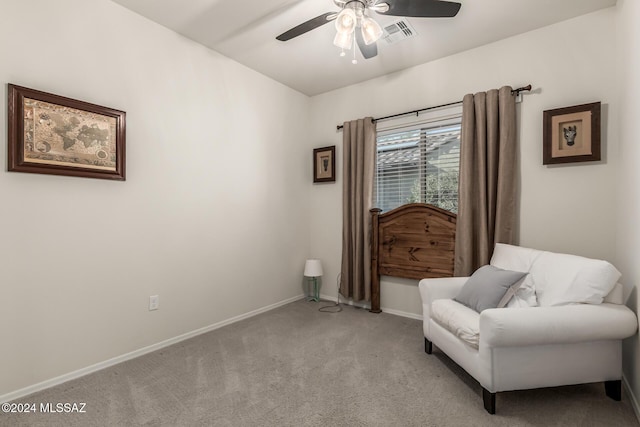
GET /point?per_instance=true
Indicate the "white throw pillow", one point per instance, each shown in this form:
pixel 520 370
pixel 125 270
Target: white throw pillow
pixel 563 279
pixel 510 257
pixel 525 296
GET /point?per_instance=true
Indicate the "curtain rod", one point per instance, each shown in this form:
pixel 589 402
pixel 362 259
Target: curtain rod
pixel 416 112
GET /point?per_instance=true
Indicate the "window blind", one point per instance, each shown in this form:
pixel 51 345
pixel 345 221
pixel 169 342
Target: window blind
pixel 419 163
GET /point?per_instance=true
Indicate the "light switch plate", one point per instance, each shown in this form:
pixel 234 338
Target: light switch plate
pixel 154 302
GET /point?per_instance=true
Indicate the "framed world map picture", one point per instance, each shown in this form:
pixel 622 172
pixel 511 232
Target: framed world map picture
pixel 51 134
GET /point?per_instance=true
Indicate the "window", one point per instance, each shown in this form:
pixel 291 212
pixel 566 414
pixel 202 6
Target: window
pixel 419 163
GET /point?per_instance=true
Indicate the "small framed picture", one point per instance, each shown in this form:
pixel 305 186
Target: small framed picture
pixel 571 134
pixel 51 134
pixel 324 164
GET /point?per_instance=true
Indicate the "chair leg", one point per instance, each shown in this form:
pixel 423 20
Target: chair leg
pixel 489 400
pixel 613 389
pixel 428 346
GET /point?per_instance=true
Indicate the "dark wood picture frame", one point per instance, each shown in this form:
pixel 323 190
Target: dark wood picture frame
pixel 324 164
pixel 571 134
pixel 68 137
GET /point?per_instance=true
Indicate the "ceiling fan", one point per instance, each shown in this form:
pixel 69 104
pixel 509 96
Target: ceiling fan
pixel 354 14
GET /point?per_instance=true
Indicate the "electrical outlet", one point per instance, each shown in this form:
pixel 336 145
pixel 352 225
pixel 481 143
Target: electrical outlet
pixel 154 302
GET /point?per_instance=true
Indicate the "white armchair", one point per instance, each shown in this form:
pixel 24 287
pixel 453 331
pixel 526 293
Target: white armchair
pixel 551 343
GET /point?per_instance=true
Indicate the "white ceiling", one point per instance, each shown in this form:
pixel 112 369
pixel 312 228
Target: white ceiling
pixel 245 31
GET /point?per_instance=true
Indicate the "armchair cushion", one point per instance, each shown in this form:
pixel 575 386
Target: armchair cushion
pixel 458 319
pixel 489 287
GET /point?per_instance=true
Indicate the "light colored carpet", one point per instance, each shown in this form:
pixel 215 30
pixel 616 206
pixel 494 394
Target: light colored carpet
pixel 295 366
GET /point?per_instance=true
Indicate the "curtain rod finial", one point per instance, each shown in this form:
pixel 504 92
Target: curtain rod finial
pixel 521 89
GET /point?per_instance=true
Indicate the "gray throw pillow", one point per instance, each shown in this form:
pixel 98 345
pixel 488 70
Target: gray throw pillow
pixel 490 287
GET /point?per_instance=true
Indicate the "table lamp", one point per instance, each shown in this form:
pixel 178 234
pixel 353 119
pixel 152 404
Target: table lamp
pixel 313 269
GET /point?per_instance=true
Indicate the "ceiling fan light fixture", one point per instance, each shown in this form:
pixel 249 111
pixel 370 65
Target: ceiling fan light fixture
pixel 346 21
pixel 343 40
pixel 371 30
pixel 380 7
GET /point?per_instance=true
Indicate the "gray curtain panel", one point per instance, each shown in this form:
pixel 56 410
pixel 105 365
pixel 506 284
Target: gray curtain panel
pixel 359 152
pixel 487 193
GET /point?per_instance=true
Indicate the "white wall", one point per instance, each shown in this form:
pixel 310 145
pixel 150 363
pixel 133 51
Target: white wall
pixel 213 215
pixel 628 190
pixel 563 208
pixel 209 166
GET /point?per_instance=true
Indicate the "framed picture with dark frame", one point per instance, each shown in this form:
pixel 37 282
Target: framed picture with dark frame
pixel 571 134
pixel 51 134
pixel 324 164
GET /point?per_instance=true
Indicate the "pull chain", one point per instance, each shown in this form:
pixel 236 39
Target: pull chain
pixel 354 60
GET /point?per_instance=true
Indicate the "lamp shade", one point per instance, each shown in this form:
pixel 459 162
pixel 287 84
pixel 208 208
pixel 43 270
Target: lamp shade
pixel 343 40
pixel 371 30
pixel 313 268
pixel 346 21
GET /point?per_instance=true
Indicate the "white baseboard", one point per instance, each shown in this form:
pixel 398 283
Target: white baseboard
pixel 345 301
pixel 402 313
pixel 632 397
pixel 368 306
pixel 137 353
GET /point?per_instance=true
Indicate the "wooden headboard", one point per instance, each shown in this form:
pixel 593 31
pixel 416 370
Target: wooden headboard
pixel 414 241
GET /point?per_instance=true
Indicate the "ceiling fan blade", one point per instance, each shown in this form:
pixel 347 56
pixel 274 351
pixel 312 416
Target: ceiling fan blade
pixel 422 8
pixel 307 26
pixel 368 50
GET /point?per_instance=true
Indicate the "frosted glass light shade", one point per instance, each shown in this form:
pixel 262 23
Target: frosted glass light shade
pixel 343 40
pixel 371 30
pixel 313 268
pixel 346 21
